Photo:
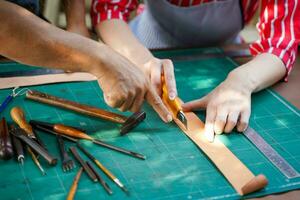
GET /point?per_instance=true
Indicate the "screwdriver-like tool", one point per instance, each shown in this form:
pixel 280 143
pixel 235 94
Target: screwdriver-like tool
pixel 71 132
pixel 108 173
pixel 19 151
pixel 174 105
pixel 18 116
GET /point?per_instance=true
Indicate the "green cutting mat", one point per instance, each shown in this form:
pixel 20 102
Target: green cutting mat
pixel 175 168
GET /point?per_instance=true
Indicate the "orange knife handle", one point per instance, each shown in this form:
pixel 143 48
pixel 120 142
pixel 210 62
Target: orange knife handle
pixel 17 114
pixel 69 131
pixel 175 104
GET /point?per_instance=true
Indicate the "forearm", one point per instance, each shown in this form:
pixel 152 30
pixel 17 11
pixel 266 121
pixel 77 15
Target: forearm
pixel 30 40
pixel 117 34
pixel 261 72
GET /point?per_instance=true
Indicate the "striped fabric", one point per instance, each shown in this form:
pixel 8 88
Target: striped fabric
pixel 278 26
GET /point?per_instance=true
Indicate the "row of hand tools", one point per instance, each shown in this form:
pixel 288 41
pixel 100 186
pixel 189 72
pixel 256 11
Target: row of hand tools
pixel 24 135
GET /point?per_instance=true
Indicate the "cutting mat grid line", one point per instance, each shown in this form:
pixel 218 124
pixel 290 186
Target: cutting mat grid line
pixel 175 168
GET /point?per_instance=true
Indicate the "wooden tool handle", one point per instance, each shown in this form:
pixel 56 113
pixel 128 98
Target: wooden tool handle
pixel 73 188
pixel 74 106
pixel 18 116
pixel 69 131
pixel 175 104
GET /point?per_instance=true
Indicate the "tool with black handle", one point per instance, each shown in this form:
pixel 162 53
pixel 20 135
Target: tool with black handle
pixel 19 150
pixel 108 173
pixel 67 162
pixel 100 179
pixel 20 133
pixel 86 168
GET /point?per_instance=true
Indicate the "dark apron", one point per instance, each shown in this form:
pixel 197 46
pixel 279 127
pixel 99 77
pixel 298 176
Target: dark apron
pixel 164 25
pixel 31 5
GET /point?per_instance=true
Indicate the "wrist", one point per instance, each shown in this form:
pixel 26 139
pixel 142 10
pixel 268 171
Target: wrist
pixel 239 78
pixel 102 61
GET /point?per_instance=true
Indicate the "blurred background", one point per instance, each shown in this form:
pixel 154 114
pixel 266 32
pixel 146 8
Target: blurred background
pixel 53 10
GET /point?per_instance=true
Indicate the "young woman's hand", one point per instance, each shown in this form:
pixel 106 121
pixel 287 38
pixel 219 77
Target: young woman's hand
pixel 229 104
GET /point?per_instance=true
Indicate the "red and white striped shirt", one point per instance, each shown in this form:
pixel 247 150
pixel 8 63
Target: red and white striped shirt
pixel 278 26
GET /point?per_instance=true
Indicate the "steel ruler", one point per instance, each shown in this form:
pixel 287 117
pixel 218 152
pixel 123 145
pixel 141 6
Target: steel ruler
pixel 266 149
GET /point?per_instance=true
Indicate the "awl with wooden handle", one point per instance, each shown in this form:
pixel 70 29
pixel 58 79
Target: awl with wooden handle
pixel 74 133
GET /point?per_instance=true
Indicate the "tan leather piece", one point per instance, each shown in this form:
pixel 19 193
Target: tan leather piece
pixel 12 82
pixel 238 175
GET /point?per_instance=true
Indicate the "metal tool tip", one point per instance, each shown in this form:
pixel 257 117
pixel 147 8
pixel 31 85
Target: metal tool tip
pixel 182 118
pixel 21 160
pixel 137 155
pixel 125 190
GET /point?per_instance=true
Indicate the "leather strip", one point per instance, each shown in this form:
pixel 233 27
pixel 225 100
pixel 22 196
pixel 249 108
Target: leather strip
pixel 12 82
pixel 238 175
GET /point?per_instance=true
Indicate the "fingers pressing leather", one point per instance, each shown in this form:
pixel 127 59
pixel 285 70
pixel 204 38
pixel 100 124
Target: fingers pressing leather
pixel 220 121
pixel 195 105
pixel 209 123
pixel 243 121
pixel 231 121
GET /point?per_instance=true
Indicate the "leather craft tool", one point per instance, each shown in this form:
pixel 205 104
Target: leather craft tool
pixel 73 188
pixel 10 97
pixel 127 123
pixel 6 148
pixel 19 151
pixel 21 134
pixel 71 132
pixel 86 168
pixel 67 162
pixel 17 114
pixel 100 179
pixel 32 154
pixel 237 174
pixel 50 131
pixel 279 162
pixel 108 173
pixel 36 161
pixel 6 101
pixel 175 104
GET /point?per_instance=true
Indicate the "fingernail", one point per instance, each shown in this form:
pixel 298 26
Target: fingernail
pixel 209 134
pixel 218 131
pixel 169 118
pixel 210 137
pixel 172 95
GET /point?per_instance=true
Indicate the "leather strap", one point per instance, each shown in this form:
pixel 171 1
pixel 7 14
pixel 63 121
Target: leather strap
pixel 12 82
pixel 238 175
